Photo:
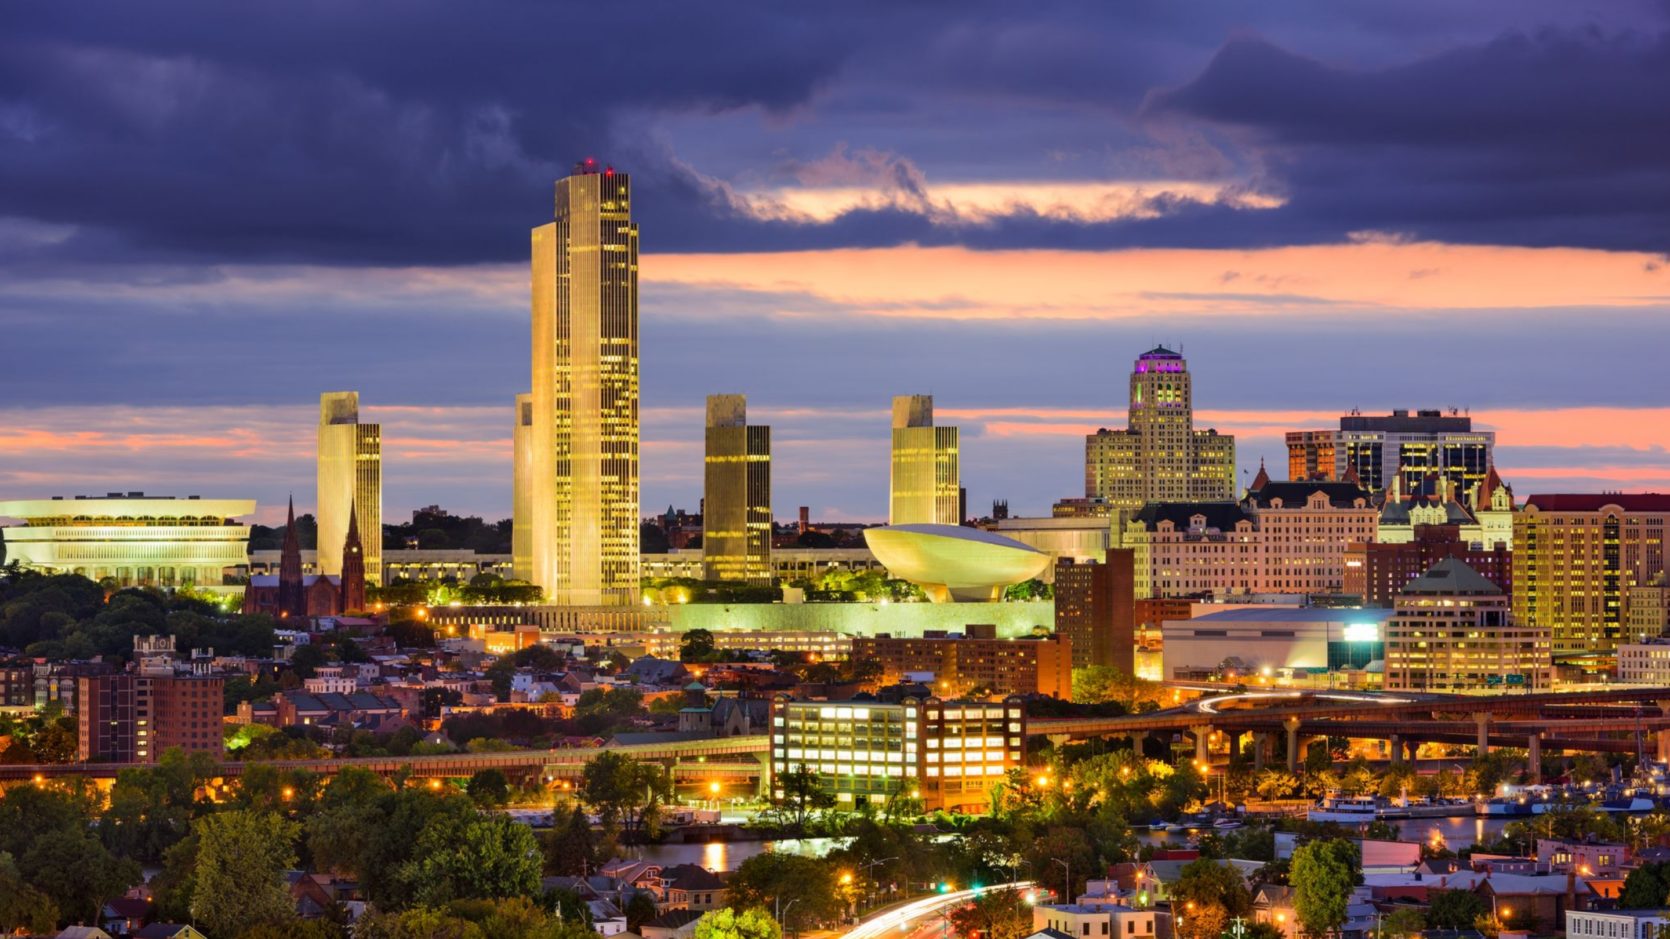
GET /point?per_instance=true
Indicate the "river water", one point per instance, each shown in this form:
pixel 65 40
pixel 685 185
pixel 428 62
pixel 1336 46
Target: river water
pixel 727 855
pixel 1457 833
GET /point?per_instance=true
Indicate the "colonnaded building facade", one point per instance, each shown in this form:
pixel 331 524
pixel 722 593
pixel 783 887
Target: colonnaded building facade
pixel 131 538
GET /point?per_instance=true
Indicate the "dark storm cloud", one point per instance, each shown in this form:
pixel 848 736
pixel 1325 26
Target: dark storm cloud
pixel 1541 139
pixel 360 132
pixel 424 133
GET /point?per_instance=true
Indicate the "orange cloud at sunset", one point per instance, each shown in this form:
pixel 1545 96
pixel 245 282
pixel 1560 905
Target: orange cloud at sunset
pixel 1369 275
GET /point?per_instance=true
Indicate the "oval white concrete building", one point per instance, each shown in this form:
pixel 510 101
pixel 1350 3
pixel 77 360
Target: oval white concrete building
pixel 952 562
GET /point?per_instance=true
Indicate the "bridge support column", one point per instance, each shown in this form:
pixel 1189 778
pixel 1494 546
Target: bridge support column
pixel 1292 727
pixel 1260 746
pixel 1234 744
pixel 1394 746
pixel 1533 758
pixel 1664 746
pixel 1059 740
pixel 1203 742
pixel 1481 719
pixel 763 789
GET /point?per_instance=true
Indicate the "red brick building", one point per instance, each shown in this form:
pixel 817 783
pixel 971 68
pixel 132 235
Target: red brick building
pixel 133 718
pixel 977 663
pixel 1095 607
pixel 1378 572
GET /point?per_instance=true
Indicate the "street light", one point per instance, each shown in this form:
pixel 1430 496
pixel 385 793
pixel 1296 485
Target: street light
pixel 783 911
pixel 1066 888
pixel 870 873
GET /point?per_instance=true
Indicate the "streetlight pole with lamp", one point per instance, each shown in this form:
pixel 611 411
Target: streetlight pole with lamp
pixel 782 910
pixel 1066 888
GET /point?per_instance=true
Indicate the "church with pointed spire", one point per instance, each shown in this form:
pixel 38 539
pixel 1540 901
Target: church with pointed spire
pixel 291 594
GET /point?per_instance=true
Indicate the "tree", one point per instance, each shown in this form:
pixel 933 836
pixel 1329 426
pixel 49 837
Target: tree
pixel 1210 893
pixel 726 923
pixel 1104 683
pixel 1401 924
pixel 1069 844
pixel 1207 882
pixel 573 848
pixel 1323 875
pixel 1454 909
pixel 479 857
pixel 622 790
pixel 22 906
pixel 77 873
pixel 1276 784
pixel 640 909
pixel 238 878
pixel 1646 888
pixel 803 794
pixel 1397 780
pixel 775 881
pixel 994 914
pixel 489 787
pixel 696 645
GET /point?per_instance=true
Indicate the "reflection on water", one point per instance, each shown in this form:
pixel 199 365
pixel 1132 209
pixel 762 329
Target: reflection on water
pixel 1459 832
pixel 727 856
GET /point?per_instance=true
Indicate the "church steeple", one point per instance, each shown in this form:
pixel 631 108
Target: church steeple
pixel 353 566
pixel 1263 477
pixel 292 598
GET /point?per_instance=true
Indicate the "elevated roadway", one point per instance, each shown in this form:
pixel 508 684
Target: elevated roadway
pixel 692 759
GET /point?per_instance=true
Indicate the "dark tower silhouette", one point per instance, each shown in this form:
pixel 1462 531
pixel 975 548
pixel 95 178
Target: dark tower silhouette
pixel 353 567
pixel 292 598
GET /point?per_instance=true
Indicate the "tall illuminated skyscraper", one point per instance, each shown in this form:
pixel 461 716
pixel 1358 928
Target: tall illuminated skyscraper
pixel 583 496
pixel 926 479
pixel 736 503
pixel 350 477
pixel 1159 456
pixel 521 522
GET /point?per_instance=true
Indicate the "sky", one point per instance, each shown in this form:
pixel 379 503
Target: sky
pixel 212 213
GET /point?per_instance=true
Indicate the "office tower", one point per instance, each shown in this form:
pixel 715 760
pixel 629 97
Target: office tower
pixel 1451 630
pixel 1095 607
pixel 926 480
pixel 736 501
pixel 350 482
pixel 583 499
pixel 1159 456
pixel 1577 559
pixel 1381 448
pixel 521 497
pixel 871 752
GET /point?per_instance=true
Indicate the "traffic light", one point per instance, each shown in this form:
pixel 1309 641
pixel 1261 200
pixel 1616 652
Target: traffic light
pixel 944 887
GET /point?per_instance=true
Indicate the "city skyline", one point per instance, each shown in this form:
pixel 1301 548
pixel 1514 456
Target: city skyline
pixel 1125 191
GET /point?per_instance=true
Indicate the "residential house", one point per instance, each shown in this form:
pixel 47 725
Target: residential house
pixel 1616 924
pixel 82 932
pixel 1273 904
pixel 123 915
pixel 1584 857
pixel 168 931
pixel 673 924
pixel 361 709
pixel 691 887
pixel 1095 922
